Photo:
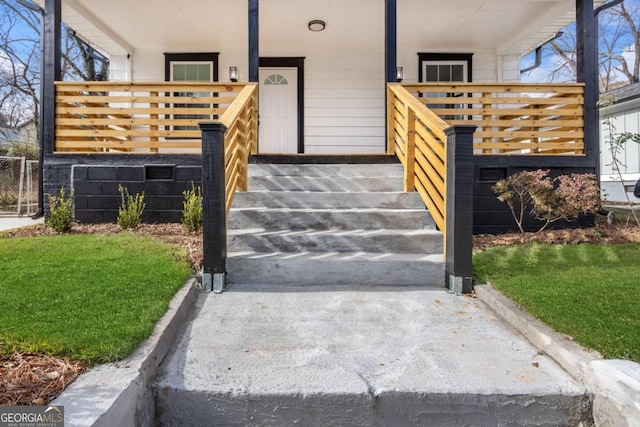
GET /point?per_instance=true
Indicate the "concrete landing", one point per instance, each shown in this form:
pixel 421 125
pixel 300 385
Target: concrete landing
pixel 277 355
pixel 10 223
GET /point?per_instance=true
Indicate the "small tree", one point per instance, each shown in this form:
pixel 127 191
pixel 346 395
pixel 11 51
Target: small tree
pixel 548 200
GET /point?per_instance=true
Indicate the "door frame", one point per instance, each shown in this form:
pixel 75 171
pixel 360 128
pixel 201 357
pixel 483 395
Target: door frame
pixel 290 62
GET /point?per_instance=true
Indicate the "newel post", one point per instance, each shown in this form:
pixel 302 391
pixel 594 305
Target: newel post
pixel 214 224
pixel 459 209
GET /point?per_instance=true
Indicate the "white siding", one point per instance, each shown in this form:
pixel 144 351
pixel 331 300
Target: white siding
pixel 344 102
pixel 509 66
pixel 119 68
pixel 625 118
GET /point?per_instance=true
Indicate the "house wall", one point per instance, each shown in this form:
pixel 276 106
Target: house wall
pixel 119 68
pixel 625 117
pixel 344 95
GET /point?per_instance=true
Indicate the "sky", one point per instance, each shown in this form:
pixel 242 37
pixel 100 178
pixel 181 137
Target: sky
pixel 551 61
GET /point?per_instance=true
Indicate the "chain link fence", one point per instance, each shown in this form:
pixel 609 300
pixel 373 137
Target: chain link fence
pixel 18 186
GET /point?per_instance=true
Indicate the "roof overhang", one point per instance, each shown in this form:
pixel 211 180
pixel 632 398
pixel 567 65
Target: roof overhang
pixel 503 26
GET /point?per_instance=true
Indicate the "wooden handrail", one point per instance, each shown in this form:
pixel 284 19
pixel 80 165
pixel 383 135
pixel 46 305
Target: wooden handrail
pixel 438 164
pixel 418 139
pixel 241 136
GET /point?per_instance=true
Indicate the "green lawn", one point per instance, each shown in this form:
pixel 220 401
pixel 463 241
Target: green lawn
pixel 93 298
pixel 590 292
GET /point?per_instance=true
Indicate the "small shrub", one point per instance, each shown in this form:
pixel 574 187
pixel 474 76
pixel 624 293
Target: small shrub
pixel 564 197
pixel 130 210
pixel 60 212
pixel 192 208
pixel 21 149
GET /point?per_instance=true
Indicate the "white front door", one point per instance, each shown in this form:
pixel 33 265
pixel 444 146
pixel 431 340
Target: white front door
pixel 278 110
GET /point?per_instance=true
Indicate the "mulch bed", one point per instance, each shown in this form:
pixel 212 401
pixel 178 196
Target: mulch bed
pixel 31 379
pixel 601 233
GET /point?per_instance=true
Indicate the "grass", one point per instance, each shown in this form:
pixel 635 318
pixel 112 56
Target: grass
pixel 590 292
pixel 93 298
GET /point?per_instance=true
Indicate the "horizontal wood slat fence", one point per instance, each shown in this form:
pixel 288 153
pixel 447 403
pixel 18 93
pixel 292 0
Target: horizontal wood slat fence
pixel 138 117
pixel 416 135
pixel 511 119
pixel 240 139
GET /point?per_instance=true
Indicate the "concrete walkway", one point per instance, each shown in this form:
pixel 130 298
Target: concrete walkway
pixel 9 223
pixel 342 355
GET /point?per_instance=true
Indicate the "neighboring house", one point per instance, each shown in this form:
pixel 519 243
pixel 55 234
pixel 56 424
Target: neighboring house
pixel 322 68
pixel 624 114
pixel 28 132
pixel 23 133
pixel 8 135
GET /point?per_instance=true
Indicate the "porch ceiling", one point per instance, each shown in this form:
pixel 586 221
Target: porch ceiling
pixel 504 26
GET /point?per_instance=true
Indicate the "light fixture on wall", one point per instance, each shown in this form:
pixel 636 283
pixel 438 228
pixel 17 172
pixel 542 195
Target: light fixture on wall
pixel 233 74
pixel 317 25
pixel 399 74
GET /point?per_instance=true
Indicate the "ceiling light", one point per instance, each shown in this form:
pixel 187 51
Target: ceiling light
pixel 317 25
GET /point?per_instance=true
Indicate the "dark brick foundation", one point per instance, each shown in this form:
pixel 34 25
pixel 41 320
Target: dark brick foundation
pixel 94 180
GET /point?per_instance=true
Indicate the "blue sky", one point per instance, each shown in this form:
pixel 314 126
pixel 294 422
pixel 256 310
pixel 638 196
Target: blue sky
pixel 551 61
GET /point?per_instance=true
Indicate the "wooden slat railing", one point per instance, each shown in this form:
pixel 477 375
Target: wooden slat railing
pixel 438 164
pixel 136 116
pixel 416 135
pixel 511 119
pixel 241 121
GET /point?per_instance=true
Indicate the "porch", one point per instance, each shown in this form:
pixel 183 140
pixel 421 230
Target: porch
pixel 542 122
pixel 163 117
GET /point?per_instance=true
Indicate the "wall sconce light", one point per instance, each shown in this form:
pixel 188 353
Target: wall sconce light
pixel 317 25
pixel 399 74
pixel 233 74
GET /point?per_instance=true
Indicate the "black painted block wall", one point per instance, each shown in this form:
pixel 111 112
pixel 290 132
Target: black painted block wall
pixel 493 216
pixel 95 180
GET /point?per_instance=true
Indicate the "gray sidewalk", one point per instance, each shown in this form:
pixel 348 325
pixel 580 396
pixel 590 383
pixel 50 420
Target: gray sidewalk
pixel 9 223
pixel 359 355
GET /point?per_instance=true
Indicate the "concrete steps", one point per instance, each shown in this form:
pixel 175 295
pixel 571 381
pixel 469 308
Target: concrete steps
pixel 331 224
pixel 336 268
pixel 335 240
pixel 301 199
pixel 335 316
pixel 343 218
pixel 324 183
